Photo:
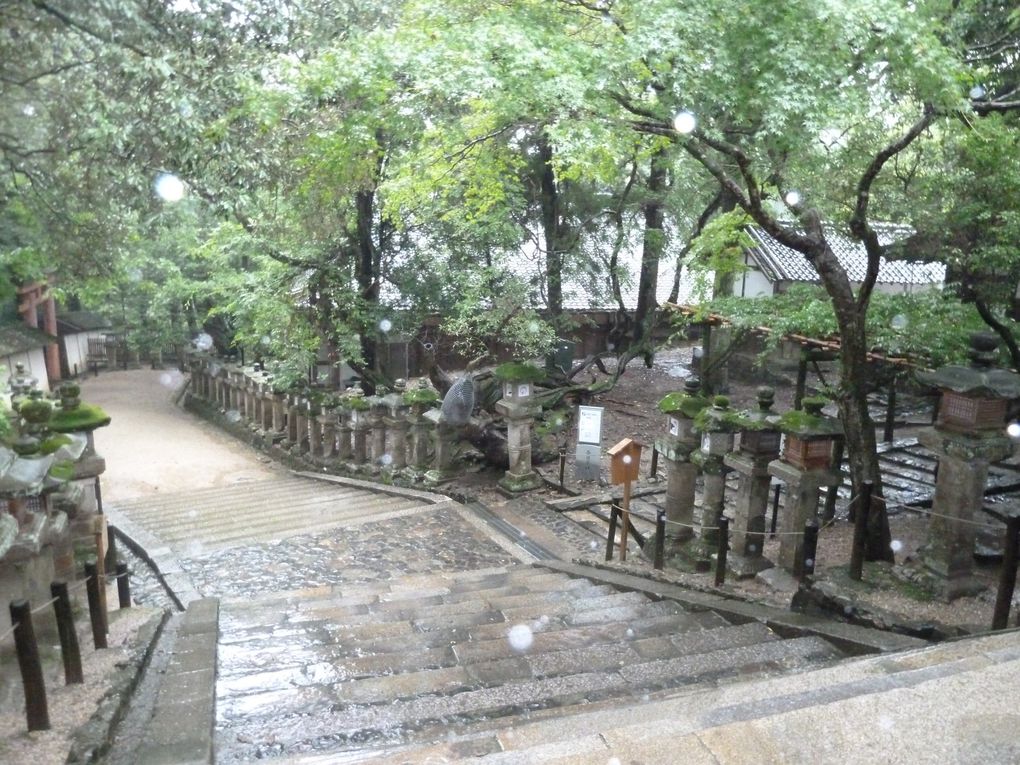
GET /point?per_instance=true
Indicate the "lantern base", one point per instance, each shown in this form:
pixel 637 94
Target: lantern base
pixel 511 485
pixel 747 567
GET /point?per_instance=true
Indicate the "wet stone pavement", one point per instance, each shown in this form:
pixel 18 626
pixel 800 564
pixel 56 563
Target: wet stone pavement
pixel 436 541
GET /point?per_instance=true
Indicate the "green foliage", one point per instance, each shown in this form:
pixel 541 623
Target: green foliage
pixel 512 371
pixel 931 327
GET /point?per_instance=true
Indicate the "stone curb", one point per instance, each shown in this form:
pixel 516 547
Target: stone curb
pixel 158 556
pixel 91 741
pixel 381 488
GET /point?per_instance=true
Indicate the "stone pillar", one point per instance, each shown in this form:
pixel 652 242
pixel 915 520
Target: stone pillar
pixel 377 420
pixel 359 427
pixel 516 406
pixel 293 431
pixel 314 431
pixel 802 488
pixel 267 406
pixel 344 451
pixel 279 413
pixel 747 539
pixel 948 553
pixel 675 447
pixel 398 425
pixel 327 423
pixel 420 427
pixel 445 440
pixel 301 426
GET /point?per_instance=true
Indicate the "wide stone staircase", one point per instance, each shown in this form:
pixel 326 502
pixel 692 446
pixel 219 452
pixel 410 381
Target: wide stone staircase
pixel 453 657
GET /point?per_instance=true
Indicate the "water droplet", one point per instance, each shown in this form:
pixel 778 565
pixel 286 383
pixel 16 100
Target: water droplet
pixel 752 548
pixel 265 340
pixel 977 92
pixel 896 545
pixel 520 637
pixel 793 198
pixel 629 633
pixel 534 327
pixel 169 187
pixel 886 723
pixel 203 341
pixel 1013 430
pixel 166 380
pixel 385 325
pixel 386 459
pixel 899 322
pixel 233 415
pixel 593 545
pixel 614 761
pixel 626 459
pixel 810 562
pixel 685 122
pixel 28 110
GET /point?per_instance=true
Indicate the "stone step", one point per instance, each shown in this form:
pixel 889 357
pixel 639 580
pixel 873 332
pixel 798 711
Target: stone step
pixel 280 490
pixel 304 720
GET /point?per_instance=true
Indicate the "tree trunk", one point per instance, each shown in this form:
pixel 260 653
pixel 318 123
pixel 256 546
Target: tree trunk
pixel 651 251
pixel 552 230
pixel 366 276
pixel 858 426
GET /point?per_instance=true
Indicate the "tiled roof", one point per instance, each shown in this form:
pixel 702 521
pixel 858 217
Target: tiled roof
pixel 82 321
pixel 16 337
pixel 780 263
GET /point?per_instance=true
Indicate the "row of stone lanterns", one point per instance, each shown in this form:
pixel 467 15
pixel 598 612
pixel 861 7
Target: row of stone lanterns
pixel 701 438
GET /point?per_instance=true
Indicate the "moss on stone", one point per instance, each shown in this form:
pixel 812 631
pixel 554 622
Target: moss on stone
pixel 53 443
pixel 421 396
pixel 678 401
pixel 84 417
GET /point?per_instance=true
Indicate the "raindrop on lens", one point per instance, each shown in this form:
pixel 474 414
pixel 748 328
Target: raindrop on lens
pixel 233 416
pixel 899 322
pixel 896 545
pixel 533 326
pixel 28 110
pixel 792 198
pixel 752 548
pixel 809 562
pixel 265 340
pixel 626 460
pixel 977 92
pixel 684 123
pixel 386 459
pixel 203 342
pixel 520 637
pixel 1013 430
pixel 169 187
pixel 385 325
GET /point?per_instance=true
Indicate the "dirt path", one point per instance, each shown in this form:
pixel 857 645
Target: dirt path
pixel 153 445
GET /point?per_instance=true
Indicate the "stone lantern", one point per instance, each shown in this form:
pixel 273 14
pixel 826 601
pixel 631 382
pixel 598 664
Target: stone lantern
pixel 357 408
pixel 805 467
pixel 759 445
pixel 518 407
pixel 969 434
pixel 379 408
pixel 420 399
pixel 397 423
pixel 676 446
pixel 718 426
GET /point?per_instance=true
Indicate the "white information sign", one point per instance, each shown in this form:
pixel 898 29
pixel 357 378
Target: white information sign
pixel 674 426
pixel 589 424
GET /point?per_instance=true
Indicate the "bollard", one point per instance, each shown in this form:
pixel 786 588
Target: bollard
pixel 563 464
pixel 123 586
pixel 36 710
pixel 724 546
pixel 654 471
pixel 611 540
pixel 860 531
pixel 69 649
pixel 1007 579
pixel 96 614
pixel 110 559
pixel 660 538
pixel 775 509
pixel 810 549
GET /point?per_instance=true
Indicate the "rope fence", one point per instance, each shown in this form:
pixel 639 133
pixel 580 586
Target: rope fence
pixel 26 645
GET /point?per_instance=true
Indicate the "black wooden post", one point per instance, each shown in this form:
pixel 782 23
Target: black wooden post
pixel 123 586
pixel 863 505
pixel 810 550
pixel 720 557
pixel 1007 579
pixel 69 649
pixel 611 539
pixel 36 710
pixel 563 464
pixel 110 560
pixel 96 614
pixel 660 538
pixel 655 463
pixel 775 508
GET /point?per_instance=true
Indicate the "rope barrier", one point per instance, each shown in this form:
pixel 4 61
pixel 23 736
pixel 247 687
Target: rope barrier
pixel 44 606
pixel 932 513
pixel 9 632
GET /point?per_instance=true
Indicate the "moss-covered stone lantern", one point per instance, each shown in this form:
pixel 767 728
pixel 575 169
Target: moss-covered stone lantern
pixel 805 467
pixel 759 445
pixel 718 425
pixel 676 446
pixel 518 407
pixel 969 435
pixel 420 398
pixel 810 436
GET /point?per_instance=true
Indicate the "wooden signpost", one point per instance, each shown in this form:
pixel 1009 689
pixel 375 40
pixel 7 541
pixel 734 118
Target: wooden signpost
pixel 624 463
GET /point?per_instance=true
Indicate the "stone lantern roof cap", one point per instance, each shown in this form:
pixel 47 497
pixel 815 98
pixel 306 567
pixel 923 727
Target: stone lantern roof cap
pixel 981 379
pixel 762 418
pixel 687 402
pixel 809 422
